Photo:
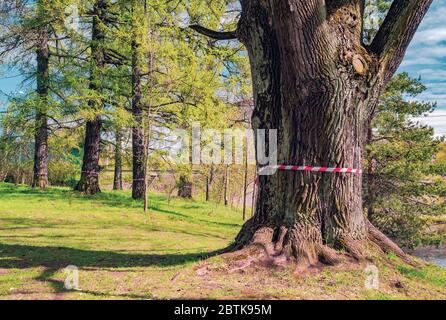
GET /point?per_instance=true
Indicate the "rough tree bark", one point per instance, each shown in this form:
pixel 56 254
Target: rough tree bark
pixel 371 185
pixel 318 84
pixel 40 176
pixel 89 182
pixel 117 179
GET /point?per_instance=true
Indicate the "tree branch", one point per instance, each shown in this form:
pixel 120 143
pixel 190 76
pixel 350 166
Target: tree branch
pixel 397 31
pixel 229 35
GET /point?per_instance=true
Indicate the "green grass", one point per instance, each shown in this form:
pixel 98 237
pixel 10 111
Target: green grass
pixel 123 253
pixel 50 230
pixel 429 274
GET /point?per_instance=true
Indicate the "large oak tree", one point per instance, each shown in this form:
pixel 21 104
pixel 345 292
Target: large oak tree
pixel 318 83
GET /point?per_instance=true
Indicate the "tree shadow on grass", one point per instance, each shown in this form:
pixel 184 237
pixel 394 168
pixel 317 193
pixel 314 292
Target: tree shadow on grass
pixel 54 259
pixel 22 256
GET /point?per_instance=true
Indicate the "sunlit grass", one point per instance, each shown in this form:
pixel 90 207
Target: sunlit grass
pixel 121 252
pixel 58 227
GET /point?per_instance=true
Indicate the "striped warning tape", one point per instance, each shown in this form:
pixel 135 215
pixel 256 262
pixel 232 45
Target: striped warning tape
pixel 311 169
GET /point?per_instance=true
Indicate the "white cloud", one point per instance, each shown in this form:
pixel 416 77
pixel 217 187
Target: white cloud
pixel 433 74
pixel 426 57
pixel 433 35
pixel 436 119
pixel 414 61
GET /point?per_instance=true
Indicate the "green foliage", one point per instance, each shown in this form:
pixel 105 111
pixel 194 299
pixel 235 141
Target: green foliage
pixel 404 188
pixel 441 157
pixel 185 78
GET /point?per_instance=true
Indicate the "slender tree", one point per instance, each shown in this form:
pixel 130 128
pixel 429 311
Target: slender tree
pixel 209 182
pixel 117 179
pixel 245 187
pixel 138 147
pixel 226 185
pixel 319 85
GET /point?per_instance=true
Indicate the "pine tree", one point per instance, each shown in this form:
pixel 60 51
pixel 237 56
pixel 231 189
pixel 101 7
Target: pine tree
pixel 30 29
pixel 403 189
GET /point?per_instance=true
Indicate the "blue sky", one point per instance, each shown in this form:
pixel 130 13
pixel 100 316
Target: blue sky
pixel 8 84
pixel 426 57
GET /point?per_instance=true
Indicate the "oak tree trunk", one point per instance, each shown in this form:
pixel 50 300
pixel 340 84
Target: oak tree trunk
pixel 316 84
pixel 371 185
pixel 40 177
pixel 89 182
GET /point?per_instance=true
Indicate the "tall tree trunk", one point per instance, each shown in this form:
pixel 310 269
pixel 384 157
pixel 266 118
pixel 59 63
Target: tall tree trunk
pixel 117 179
pixel 89 182
pixel 316 84
pixel 139 169
pixel 40 177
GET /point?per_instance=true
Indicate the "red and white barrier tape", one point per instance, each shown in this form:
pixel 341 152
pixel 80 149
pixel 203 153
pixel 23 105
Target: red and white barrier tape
pixel 311 169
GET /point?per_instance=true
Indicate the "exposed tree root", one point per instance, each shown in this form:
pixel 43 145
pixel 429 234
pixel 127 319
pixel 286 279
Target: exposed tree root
pixel 358 249
pixel 385 244
pixel 303 247
pixel 328 255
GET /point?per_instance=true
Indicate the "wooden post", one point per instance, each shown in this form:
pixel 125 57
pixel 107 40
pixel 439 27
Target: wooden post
pixel 226 186
pixel 254 193
pixel 245 189
pixel 149 181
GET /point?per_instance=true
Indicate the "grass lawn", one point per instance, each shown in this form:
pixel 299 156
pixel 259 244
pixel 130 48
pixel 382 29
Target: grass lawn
pixel 122 253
